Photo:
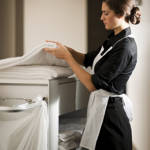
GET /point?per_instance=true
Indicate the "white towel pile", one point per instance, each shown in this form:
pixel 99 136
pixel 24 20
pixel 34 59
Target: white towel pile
pixel 36 64
pixel 35 72
pixel 69 140
pixel 34 57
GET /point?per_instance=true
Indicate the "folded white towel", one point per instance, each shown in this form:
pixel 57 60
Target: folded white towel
pixel 68 145
pixel 35 72
pixel 36 64
pixel 70 135
pixel 34 57
pixel 66 134
pixel 69 140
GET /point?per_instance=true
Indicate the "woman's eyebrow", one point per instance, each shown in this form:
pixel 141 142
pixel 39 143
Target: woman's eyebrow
pixel 104 11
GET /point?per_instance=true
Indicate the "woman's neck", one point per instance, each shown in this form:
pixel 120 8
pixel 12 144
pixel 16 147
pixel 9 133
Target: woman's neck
pixel 118 29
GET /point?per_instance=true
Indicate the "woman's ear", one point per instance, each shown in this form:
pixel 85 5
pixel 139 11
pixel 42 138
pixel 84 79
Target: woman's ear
pixel 120 16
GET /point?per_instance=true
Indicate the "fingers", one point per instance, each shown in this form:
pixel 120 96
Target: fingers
pixel 50 41
pixel 59 47
pixel 57 43
pixel 49 50
pixel 45 49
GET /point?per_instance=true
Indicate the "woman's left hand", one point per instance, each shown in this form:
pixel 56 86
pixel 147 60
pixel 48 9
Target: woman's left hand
pixel 60 51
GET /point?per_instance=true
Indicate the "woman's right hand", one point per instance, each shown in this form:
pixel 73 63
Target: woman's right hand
pixel 60 51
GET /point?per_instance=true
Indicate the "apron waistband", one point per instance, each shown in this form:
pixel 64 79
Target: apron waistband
pixel 112 100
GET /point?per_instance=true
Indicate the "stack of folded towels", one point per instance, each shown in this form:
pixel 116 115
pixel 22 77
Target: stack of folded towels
pixel 36 64
pixel 71 126
pixel 69 140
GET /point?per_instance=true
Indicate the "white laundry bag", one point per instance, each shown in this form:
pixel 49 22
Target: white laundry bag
pixel 26 129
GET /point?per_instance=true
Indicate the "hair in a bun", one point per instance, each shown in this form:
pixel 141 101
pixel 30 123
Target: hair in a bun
pixel 135 16
pixel 125 8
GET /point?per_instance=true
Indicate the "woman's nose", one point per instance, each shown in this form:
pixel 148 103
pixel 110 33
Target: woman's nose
pixel 101 17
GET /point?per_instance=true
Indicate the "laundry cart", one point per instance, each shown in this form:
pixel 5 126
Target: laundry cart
pixel 58 93
pixel 23 124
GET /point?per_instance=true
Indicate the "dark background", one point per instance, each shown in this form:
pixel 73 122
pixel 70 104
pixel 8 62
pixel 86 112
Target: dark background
pixel 96 31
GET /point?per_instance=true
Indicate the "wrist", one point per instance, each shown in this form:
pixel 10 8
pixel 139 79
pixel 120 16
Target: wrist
pixel 68 58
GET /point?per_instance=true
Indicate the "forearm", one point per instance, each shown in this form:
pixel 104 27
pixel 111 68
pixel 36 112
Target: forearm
pixel 66 53
pixel 82 75
pixel 79 57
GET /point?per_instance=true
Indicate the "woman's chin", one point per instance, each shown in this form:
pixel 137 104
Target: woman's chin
pixel 106 27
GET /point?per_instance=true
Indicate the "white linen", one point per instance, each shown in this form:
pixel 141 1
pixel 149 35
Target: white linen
pixel 35 72
pixel 24 130
pixel 27 130
pixel 36 64
pixel 34 57
pixel 69 140
pixel 70 135
pixel 71 145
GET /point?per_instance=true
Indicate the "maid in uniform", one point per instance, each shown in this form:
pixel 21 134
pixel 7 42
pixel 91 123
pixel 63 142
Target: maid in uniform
pixel 109 108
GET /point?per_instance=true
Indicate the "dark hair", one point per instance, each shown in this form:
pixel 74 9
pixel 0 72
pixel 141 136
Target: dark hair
pixel 125 8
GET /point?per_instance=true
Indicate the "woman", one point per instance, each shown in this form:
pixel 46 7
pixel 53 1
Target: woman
pixel 109 109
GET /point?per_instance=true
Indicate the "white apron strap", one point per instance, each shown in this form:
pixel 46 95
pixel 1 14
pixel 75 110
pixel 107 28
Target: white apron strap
pixel 128 106
pixel 99 56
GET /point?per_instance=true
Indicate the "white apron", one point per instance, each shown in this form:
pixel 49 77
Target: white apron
pixel 97 106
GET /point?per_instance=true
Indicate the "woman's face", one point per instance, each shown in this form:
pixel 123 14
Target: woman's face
pixel 109 18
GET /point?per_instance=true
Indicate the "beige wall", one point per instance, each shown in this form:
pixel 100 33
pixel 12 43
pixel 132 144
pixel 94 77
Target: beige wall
pixel 60 20
pixel 7 28
pixel 139 84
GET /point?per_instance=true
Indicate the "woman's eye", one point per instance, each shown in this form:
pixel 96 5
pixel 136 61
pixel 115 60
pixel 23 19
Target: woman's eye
pixel 106 13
